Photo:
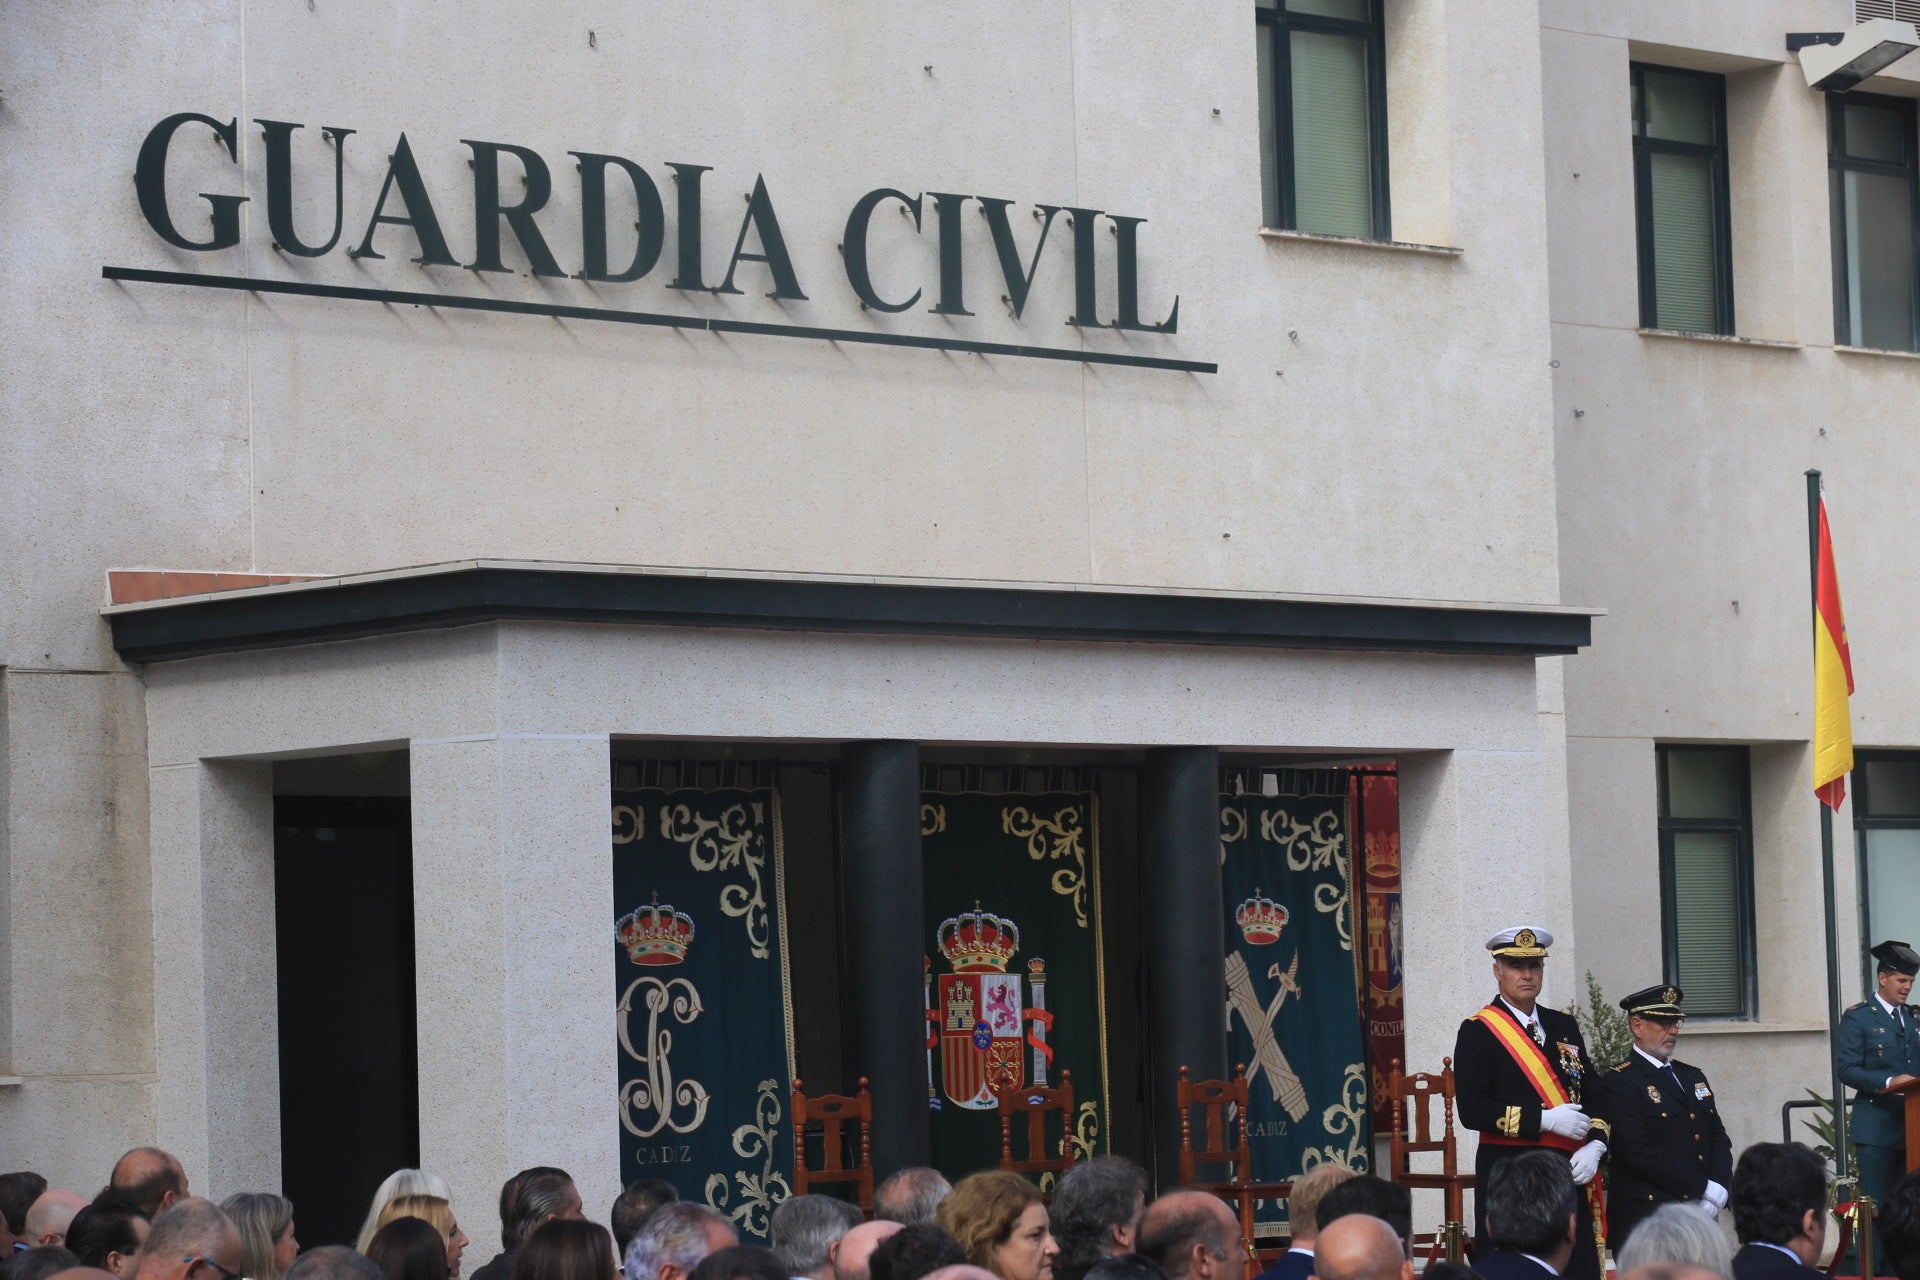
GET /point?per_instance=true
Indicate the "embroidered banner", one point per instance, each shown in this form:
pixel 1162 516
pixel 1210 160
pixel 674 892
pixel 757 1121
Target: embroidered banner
pixel 1293 990
pixel 1013 966
pixel 1376 822
pixel 705 1046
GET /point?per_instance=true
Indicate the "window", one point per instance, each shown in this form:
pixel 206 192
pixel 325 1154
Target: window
pixel 1870 157
pixel 1323 118
pixel 1886 822
pixel 1680 198
pixel 1706 878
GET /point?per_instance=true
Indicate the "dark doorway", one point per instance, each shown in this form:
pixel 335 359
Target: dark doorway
pixel 349 1078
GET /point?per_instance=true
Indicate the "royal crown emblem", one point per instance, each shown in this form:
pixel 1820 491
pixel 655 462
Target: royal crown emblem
pixel 1525 938
pixel 977 941
pixel 1261 919
pixel 1670 996
pixel 656 934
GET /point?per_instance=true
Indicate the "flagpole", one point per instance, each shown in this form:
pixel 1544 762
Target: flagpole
pixel 1840 1162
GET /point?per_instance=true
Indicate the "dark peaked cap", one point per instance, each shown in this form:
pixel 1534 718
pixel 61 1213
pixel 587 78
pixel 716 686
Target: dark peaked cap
pixel 1897 957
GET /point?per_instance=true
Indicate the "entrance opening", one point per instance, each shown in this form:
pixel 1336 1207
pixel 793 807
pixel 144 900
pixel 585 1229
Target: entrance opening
pixel 343 907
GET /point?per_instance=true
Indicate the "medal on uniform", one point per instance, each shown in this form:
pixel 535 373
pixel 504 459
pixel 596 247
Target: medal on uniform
pixel 1653 1092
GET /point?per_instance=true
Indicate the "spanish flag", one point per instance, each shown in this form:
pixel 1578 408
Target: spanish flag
pixel 1832 679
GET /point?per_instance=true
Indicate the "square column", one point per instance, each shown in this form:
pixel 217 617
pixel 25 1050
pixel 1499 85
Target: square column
pixel 1476 855
pixel 216 981
pixel 1475 858
pixel 513 938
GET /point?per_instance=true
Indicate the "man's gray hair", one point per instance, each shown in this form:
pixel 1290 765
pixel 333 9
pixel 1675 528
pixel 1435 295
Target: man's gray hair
pixel 332 1262
pixel 805 1227
pixel 675 1233
pixel 910 1196
pixel 1093 1199
pixel 1677 1233
pixel 190 1228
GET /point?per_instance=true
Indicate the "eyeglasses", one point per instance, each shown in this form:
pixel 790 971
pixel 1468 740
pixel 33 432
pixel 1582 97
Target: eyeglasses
pixel 225 1273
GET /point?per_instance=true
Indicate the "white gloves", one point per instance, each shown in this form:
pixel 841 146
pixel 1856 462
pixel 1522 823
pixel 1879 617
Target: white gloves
pixel 1586 1161
pixel 1569 1120
pixel 1715 1197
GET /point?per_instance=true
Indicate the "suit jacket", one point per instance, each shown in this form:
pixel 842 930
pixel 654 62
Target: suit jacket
pixel 501 1268
pixel 1663 1146
pixel 1758 1262
pixel 1501 1265
pixel 1872 1047
pixel 1289 1266
pixel 1493 1095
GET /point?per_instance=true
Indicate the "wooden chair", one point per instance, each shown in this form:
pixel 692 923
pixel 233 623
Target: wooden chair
pixel 1037 1103
pixel 1414 1134
pixel 834 1113
pixel 1213 1098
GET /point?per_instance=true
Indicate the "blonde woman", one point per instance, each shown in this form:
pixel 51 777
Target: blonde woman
pixel 437 1213
pixel 265 1224
pixel 401 1182
pixel 1000 1221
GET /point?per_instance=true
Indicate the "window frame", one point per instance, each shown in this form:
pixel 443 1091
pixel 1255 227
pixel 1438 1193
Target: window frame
pixel 1862 824
pixel 1838 163
pixel 1273 25
pixel 1644 149
pixel 1742 827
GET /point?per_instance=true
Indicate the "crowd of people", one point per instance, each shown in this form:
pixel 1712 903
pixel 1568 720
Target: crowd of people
pixel 994 1225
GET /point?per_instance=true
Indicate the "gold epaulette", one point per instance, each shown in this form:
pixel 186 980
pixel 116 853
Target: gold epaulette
pixel 1624 1065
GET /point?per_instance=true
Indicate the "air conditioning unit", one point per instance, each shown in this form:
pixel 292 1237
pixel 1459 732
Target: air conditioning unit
pixel 1899 10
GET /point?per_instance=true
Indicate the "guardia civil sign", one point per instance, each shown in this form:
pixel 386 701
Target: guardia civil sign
pixel 621 236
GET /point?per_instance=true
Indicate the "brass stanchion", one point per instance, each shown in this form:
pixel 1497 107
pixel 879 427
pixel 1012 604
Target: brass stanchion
pixel 1862 1213
pixel 1453 1242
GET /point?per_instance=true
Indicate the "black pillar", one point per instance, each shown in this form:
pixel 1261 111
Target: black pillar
pixel 1184 926
pixel 881 892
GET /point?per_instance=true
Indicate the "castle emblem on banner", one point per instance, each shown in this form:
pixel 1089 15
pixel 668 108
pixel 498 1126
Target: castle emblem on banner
pixel 979 1021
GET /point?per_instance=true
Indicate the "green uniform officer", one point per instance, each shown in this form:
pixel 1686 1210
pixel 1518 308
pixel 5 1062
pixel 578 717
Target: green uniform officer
pixel 1879 1048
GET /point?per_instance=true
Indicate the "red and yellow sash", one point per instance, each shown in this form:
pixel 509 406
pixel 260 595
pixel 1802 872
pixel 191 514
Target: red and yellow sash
pixel 1533 1064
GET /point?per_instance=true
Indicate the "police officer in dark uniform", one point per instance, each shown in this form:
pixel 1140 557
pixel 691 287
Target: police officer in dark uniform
pixel 1496 1060
pixel 1667 1144
pixel 1879 1047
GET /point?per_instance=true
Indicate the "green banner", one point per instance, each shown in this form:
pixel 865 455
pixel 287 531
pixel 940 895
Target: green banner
pixel 705 1049
pixel 1293 990
pixel 1013 976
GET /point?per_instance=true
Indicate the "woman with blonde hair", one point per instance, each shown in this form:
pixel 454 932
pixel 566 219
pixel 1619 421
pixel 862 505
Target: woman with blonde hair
pixel 265 1224
pixel 401 1182
pixel 999 1219
pixel 437 1213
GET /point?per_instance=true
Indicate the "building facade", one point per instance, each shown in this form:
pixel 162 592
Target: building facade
pixel 463 415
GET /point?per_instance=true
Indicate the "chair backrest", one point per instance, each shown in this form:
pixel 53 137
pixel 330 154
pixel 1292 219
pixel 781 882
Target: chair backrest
pixel 1212 1098
pixel 835 1113
pixel 1037 1103
pixel 1413 1127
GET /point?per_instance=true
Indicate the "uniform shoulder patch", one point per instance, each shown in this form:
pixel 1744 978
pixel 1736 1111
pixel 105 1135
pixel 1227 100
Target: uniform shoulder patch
pixel 1623 1066
pixel 1850 1008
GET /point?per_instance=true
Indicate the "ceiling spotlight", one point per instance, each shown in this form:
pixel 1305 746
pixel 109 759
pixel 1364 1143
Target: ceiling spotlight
pixel 1837 61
